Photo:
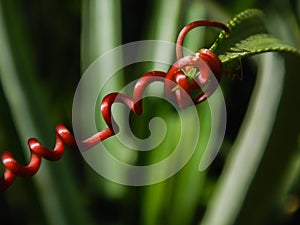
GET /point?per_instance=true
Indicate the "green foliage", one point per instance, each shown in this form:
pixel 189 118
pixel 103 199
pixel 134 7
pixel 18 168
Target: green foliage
pixel 249 35
pixel 44 47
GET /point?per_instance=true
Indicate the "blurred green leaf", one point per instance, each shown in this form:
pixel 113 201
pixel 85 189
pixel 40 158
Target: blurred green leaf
pixel 260 150
pixel 28 106
pixel 163 27
pixel 101 32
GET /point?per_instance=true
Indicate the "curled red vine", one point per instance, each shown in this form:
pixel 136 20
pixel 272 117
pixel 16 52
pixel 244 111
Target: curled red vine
pixel 175 80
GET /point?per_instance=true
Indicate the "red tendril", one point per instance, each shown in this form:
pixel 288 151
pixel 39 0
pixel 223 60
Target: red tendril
pixel 176 82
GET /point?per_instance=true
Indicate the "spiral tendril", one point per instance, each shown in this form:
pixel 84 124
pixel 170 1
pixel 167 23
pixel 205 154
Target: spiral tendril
pixel 175 83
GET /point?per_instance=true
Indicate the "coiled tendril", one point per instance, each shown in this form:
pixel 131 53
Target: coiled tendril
pixel 175 80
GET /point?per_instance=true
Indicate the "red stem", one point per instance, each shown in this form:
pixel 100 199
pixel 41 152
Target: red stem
pixel 189 27
pixel 177 88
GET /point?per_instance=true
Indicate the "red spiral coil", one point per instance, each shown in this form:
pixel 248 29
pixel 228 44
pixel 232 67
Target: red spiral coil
pixel 174 77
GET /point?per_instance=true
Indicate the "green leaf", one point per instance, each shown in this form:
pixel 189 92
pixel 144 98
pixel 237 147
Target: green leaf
pixel 248 36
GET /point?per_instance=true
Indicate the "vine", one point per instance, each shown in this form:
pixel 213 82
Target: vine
pixel 231 45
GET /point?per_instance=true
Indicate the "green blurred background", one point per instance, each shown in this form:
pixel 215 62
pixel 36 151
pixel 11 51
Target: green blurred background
pixel 45 46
